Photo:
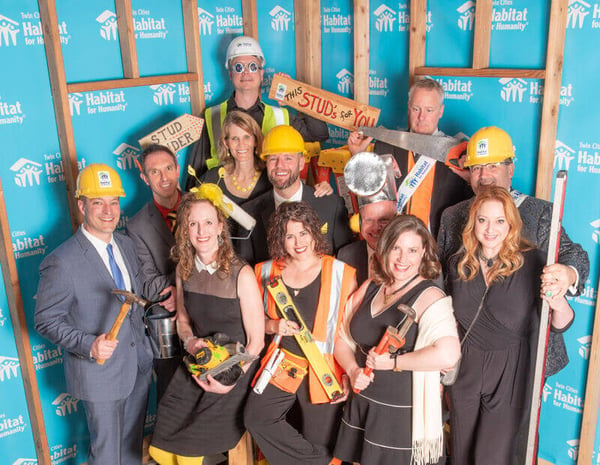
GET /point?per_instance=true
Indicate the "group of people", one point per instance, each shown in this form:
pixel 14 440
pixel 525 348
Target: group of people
pixel 461 272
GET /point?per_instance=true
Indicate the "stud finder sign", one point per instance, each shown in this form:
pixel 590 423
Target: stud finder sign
pixel 177 134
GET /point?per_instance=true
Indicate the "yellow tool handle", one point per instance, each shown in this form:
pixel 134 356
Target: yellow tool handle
pixel 114 331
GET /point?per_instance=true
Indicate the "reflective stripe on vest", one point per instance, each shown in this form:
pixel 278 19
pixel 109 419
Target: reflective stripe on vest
pixel 214 117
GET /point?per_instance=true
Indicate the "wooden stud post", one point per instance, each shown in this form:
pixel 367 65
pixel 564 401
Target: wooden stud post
pixel 241 454
pixel 418 32
pixel 193 54
pixel 551 103
pixel 60 98
pixel 127 39
pixel 361 51
pixel 592 395
pixel 17 315
pixel 482 35
pixel 250 18
pixel 307 17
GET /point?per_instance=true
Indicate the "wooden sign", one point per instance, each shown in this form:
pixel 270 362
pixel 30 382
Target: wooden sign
pixel 323 105
pixel 177 134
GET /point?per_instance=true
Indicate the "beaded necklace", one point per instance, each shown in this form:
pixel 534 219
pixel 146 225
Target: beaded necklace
pixel 249 187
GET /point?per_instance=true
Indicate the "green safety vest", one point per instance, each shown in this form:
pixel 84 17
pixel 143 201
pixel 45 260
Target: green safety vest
pixel 214 117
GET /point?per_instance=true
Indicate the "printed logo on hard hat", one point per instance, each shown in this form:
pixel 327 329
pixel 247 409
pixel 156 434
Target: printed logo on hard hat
pixel 27 172
pixel 205 21
pixel 65 404
pixel 9 368
pixel 563 154
pixel 345 85
pixel 482 148
pixel 108 25
pixel 334 22
pixel 126 156
pixel 573 450
pixel 467 15
pixel 596 233
pixel 577 12
pixel 513 89
pixel 104 181
pixel 12 425
pixel 11 112
pixel 280 19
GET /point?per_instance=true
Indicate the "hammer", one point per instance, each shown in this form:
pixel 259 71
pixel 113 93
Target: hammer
pixel 130 298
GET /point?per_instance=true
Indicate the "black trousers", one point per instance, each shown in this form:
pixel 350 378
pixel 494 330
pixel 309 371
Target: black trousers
pixel 265 416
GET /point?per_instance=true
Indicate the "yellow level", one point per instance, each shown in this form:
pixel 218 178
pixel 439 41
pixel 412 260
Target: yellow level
pixel 313 355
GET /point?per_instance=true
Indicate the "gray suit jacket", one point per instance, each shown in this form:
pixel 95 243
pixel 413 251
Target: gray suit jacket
pixel 356 255
pixel 535 214
pixel 74 305
pixel 153 241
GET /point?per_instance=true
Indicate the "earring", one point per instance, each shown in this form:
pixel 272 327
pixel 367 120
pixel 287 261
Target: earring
pixel 219 240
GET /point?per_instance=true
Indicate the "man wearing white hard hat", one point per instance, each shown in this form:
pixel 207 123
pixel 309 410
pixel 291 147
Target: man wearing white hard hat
pixel 75 309
pixel 245 62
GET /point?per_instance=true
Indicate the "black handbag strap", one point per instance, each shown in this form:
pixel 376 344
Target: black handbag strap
pixel 476 316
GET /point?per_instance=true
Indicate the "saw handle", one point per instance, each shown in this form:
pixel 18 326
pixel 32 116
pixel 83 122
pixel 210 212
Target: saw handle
pixel 114 331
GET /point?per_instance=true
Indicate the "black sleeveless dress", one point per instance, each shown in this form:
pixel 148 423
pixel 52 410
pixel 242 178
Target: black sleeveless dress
pixel 376 427
pixel 190 421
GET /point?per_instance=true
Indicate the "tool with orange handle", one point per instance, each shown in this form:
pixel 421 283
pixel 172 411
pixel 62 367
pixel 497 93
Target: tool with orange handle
pixel 393 338
pixel 129 299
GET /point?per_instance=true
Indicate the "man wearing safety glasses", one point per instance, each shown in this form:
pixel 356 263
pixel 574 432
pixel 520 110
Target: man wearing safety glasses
pixel 245 62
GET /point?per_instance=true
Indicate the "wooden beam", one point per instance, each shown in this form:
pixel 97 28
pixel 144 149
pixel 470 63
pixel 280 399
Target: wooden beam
pixel 17 315
pixel 60 98
pixel 241 454
pixel 361 51
pixel 591 396
pixel 551 102
pixel 193 54
pixel 418 33
pixel 307 16
pixel 485 72
pixel 123 83
pixel 250 18
pixel 127 39
pixel 482 35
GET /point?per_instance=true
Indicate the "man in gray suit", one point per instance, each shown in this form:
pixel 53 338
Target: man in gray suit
pixel 490 160
pixel 152 230
pixel 75 310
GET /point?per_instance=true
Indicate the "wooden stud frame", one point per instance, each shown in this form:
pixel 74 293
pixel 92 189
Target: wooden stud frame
pixel 552 74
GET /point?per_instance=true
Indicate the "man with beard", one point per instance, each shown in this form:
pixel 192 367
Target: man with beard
pixel 283 151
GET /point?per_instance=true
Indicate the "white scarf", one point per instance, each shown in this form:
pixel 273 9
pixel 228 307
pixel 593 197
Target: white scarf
pixel 427 434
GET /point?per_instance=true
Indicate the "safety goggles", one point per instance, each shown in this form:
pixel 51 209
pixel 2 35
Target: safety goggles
pixel 251 67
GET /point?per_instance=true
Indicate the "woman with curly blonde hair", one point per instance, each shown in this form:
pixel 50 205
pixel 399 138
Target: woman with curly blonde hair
pixel 495 283
pixel 216 293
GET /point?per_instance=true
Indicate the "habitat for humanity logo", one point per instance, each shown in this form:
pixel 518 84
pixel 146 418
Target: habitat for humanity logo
pixel 565 397
pixel 32 30
pixel 589 294
pixel 563 154
pixel 2 319
pixel 226 19
pixel 44 357
pixel 466 17
pixel 536 93
pixel 27 172
pixel 163 93
pixel 387 17
pixel 334 22
pixel 377 86
pixel 108 25
pixel 577 12
pixel 588 157
pixel 59 454
pixel 9 368
pixel 455 88
pixel 547 392
pixel 25 245
pixel 573 450
pixel 513 89
pixel 147 27
pixel 505 18
pixel 126 156
pixel 345 84
pixel 11 112
pixel 596 233
pixel 280 19
pixel 205 20
pixel 65 404
pixel 9 426
pixel 97 102
pixel 585 344
pixel 25 462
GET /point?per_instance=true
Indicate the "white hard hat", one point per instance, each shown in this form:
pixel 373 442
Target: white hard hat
pixel 244 46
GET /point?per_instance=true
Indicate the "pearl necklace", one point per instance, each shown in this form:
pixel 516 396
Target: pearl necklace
pixel 249 187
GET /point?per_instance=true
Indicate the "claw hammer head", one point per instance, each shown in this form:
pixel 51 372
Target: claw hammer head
pixel 130 297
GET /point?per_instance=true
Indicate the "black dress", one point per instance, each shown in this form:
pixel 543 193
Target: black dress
pixel 490 399
pixel 190 421
pixel 376 427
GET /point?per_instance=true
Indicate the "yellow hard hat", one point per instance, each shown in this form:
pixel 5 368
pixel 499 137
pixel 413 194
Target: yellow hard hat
pixel 282 139
pixel 489 145
pixel 99 180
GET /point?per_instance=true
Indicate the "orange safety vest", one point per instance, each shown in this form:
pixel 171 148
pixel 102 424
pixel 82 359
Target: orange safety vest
pixel 337 284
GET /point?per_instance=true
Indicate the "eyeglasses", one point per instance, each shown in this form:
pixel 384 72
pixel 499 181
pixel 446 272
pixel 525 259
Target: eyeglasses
pixel 251 67
pixel 489 166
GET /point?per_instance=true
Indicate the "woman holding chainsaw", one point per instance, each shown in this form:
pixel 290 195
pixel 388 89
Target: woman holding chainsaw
pixel 311 289
pixel 495 283
pixel 216 293
pixel 394 416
